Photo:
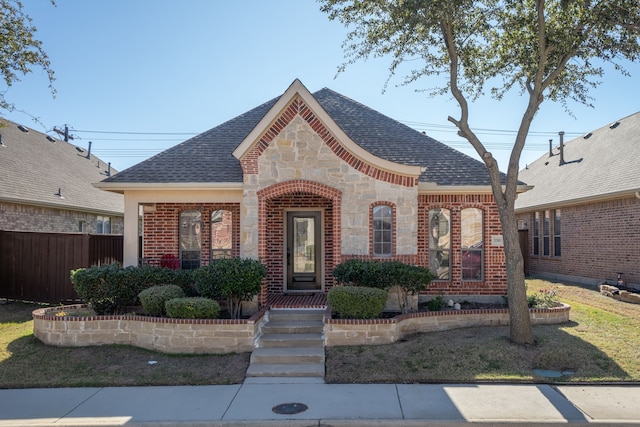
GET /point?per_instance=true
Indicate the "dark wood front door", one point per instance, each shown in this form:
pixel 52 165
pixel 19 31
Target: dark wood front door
pixel 303 251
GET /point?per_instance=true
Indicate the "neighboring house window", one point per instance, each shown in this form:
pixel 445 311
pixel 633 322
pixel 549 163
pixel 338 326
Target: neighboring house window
pixel 557 245
pixel 472 243
pixel 536 233
pixel 382 230
pixel 546 225
pixel 190 239
pixel 221 242
pixel 103 225
pixel 82 226
pixel 440 243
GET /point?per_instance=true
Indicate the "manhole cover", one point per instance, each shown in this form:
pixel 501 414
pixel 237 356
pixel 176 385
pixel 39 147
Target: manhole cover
pixel 289 408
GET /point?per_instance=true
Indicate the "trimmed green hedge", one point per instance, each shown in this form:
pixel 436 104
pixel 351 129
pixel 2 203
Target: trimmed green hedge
pixel 110 288
pixel 357 302
pixel 153 298
pixel 192 308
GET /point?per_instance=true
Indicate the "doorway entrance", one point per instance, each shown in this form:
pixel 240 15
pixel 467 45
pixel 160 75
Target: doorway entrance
pixel 304 251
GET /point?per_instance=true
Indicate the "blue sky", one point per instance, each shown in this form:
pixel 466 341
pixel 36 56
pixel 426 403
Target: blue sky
pixel 136 77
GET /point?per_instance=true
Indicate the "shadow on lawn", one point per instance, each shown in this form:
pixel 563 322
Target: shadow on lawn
pixel 481 354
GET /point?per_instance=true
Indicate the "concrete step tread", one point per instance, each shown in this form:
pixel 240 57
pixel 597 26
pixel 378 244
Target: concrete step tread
pixel 295 323
pixel 286 370
pixel 301 315
pixel 289 351
pixel 291 337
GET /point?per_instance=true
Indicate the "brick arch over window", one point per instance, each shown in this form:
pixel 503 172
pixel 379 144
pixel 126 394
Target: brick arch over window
pixel 299 189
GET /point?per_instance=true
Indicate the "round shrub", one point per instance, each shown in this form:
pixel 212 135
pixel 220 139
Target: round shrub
pixel 153 298
pixel 192 308
pixel 357 302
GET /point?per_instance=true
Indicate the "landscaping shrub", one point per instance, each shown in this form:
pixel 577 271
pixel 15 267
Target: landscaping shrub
pixel 235 279
pixel 409 279
pixel 436 303
pixel 357 272
pixel 192 308
pixel 104 288
pixel 357 302
pixel 154 298
pixel 110 288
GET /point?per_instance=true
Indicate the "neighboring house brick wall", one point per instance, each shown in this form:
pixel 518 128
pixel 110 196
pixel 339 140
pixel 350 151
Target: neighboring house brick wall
pixel 161 228
pixel 598 240
pixel 19 217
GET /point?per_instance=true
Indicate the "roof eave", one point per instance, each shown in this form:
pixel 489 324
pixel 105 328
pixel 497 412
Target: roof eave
pixel 433 188
pixel 580 201
pixel 121 187
pixel 42 204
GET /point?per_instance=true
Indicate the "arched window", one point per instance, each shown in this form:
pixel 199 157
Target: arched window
pixel 440 243
pixel 382 216
pixel 472 244
pixel 221 234
pixel 190 239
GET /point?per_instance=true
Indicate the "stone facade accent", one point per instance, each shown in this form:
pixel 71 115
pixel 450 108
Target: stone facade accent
pixel 19 217
pixel 340 332
pixel 213 336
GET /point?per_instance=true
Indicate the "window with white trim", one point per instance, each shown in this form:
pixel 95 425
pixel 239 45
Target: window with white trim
pixel 440 243
pixel 103 225
pixel 472 243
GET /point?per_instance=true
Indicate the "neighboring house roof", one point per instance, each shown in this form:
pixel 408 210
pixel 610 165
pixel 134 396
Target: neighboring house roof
pixel 208 157
pixel 600 165
pixel 33 166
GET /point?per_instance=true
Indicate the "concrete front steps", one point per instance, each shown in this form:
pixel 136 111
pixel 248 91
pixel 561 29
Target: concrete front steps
pixel 291 345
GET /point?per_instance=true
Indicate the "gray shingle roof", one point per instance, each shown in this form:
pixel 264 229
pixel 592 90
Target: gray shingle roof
pixel 33 168
pixel 602 165
pixel 208 156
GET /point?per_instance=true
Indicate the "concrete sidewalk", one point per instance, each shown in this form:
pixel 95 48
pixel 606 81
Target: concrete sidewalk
pixel 252 404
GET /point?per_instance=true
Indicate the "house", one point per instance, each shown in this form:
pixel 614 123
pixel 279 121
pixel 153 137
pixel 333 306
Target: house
pixel 306 181
pixel 583 214
pixel 46 186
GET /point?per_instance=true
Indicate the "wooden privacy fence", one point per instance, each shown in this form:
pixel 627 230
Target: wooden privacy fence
pixel 36 266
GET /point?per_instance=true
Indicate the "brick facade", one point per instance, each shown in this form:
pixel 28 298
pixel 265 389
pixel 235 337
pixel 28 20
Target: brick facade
pixel 598 240
pixel 161 228
pixel 297 164
pixel 19 217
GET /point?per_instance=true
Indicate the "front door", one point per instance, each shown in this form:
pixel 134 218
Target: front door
pixel 303 251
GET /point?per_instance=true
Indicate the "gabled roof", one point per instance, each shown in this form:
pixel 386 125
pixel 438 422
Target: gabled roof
pixel 33 166
pixel 600 165
pixel 208 157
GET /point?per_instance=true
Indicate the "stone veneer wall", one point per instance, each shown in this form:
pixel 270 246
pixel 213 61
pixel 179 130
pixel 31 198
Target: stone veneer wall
pixel 225 336
pixel 298 147
pixel 339 332
pixel 19 217
pixel 214 336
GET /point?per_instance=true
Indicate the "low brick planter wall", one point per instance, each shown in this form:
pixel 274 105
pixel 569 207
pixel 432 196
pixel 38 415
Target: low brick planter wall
pixel 154 333
pixel 386 331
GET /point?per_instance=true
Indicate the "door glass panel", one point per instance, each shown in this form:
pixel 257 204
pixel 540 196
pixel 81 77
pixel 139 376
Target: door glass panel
pixel 304 245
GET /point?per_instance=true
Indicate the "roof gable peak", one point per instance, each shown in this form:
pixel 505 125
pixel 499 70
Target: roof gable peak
pixel 299 96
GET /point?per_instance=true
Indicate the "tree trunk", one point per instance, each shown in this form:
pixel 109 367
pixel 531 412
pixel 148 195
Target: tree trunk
pixel 520 330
